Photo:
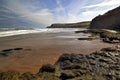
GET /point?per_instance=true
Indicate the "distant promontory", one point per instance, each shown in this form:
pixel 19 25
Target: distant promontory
pixel 84 24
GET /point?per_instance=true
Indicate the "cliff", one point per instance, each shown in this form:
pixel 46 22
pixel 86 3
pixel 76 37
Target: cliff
pixel 109 20
pixel 71 25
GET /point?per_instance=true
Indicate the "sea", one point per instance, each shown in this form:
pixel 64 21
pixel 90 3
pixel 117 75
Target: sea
pixel 4 32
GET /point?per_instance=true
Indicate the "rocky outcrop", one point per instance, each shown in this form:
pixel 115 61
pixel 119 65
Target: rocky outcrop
pixel 71 25
pixel 8 52
pixel 99 65
pixel 109 36
pixel 110 20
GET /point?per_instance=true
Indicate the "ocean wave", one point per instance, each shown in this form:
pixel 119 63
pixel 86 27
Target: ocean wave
pixel 4 32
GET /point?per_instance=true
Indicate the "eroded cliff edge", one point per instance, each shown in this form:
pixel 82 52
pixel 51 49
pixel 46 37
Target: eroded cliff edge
pixel 109 20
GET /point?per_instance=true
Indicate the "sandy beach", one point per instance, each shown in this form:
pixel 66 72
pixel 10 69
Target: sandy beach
pixel 43 48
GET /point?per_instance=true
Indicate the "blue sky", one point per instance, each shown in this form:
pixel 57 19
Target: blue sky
pixel 42 13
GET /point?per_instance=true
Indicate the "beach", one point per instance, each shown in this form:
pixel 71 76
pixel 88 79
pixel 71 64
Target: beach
pixel 44 48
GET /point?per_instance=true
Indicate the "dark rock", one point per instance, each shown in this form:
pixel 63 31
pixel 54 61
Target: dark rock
pixel 73 66
pixel 109 76
pixel 67 75
pixel 105 63
pixel 18 48
pixel 109 49
pixel 104 60
pixel 7 50
pixel 115 67
pixel 110 20
pixel 47 76
pixel 89 38
pixel 84 31
pixel 27 76
pixel 9 75
pixel 90 57
pixel 118 78
pixel 48 68
pixel 92 62
pixel 99 65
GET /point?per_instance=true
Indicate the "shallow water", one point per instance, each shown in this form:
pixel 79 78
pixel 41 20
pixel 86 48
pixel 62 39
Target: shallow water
pixel 11 31
pixel 43 46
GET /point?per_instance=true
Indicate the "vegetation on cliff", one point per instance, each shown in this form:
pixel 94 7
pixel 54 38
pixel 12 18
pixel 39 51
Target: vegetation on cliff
pixel 71 25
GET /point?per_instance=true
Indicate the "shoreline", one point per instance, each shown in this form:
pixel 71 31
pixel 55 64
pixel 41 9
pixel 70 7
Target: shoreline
pixel 44 48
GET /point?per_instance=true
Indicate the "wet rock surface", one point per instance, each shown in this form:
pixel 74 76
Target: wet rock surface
pixel 8 52
pixel 100 65
pixel 109 36
pixel 104 63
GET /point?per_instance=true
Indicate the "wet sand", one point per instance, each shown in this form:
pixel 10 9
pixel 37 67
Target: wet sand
pixel 43 48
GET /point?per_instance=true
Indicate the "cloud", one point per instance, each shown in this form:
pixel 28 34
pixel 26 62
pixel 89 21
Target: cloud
pixel 42 16
pixel 38 12
pixel 105 3
pixel 86 10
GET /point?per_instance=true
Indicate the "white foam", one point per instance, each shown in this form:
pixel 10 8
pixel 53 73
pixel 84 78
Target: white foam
pixel 18 32
pixel 37 30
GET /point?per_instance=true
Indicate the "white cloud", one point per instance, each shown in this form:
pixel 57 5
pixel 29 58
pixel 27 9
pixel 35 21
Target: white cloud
pixel 105 3
pixel 81 11
pixel 42 16
pixel 76 11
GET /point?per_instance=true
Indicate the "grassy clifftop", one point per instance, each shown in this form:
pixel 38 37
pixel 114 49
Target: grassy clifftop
pixel 71 25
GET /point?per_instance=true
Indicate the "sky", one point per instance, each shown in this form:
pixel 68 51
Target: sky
pixel 42 13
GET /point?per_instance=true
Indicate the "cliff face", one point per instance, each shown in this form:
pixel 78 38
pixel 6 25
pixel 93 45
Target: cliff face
pixel 85 24
pixel 110 20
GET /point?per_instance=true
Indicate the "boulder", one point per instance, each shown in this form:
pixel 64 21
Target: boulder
pixel 48 68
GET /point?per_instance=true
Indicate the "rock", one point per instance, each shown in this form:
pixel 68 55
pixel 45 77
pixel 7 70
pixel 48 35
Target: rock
pixel 109 76
pixel 92 62
pixel 89 38
pixel 115 67
pixel 70 59
pixel 104 60
pixel 73 66
pixel 27 76
pixel 67 74
pixel 47 76
pixel 99 65
pixel 110 37
pixel 105 63
pixel 9 75
pixel 18 49
pixel 7 50
pixel 110 20
pixel 48 68
pixel 109 49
